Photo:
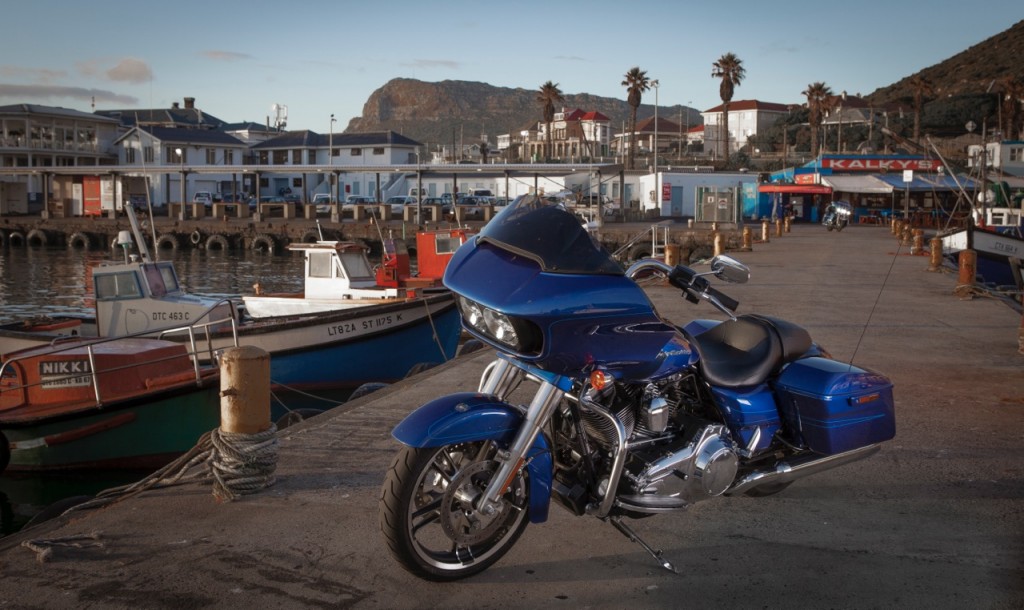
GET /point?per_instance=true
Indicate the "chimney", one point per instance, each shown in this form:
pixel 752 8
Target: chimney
pixel 174 105
pixel 190 102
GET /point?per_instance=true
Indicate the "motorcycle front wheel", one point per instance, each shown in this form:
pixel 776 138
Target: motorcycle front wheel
pixel 428 511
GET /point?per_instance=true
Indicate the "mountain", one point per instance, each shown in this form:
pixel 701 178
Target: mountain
pixel 460 111
pixel 966 88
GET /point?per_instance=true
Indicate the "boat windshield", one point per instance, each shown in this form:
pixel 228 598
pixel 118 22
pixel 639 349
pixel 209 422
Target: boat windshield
pixel 550 235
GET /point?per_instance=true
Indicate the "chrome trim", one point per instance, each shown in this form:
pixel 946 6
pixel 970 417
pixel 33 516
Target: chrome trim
pixel 618 461
pixel 797 469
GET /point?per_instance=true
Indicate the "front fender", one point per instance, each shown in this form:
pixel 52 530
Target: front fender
pixel 469 416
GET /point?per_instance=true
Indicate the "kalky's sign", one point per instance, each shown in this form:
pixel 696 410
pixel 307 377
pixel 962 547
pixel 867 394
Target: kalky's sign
pixel 880 164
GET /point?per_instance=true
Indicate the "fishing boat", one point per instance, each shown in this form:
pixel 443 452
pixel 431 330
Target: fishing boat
pixel 337 348
pixel 999 254
pixel 129 402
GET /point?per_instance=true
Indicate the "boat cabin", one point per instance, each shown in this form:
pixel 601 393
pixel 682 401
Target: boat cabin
pixel 339 270
pixel 433 251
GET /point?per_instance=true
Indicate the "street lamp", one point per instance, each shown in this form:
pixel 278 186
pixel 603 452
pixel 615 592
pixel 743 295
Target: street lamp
pixel 655 84
pixel 330 159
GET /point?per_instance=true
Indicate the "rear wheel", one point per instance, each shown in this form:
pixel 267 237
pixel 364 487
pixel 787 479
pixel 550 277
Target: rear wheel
pixel 428 515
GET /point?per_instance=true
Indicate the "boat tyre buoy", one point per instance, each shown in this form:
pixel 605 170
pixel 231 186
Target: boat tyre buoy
pixel 37 237
pixel 15 238
pixel 264 243
pixel 167 241
pixel 218 242
pixel 310 237
pixel 5 452
pixel 196 237
pixel 295 416
pixel 470 346
pixel 57 509
pixel 419 367
pixel 638 252
pixel 365 389
pixel 81 240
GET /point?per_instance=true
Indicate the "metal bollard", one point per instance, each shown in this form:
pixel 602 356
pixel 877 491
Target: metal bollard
pixel 245 390
pixel 714 227
pixel 787 222
pixel 917 249
pixel 894 226
pixel 671 255
pixel 935 262
pixel 719 244
pixel 764 231
pixel 968 264
pixel 778 228
pixel 748 239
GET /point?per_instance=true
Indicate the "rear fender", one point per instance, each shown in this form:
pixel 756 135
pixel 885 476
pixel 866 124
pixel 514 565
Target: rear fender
pixel 468 417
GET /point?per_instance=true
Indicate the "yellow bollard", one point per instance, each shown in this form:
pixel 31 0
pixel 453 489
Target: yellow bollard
pixel 787 222
pixel 764 231
pixel 671 255
pixel 917 249
pixel 719 244
pixel 748 239
pixel 245 390
pixel 968 264
pixel 778 228
pixel 714 227
pixel 935 262
pixel 894 226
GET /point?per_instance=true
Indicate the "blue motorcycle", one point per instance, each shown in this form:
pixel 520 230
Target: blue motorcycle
pixel 625 415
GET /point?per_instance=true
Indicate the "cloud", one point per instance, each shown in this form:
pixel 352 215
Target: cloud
pixel 433 63
pixel 130 70
pixel 39 75
pixel 22 93
pixel 225 55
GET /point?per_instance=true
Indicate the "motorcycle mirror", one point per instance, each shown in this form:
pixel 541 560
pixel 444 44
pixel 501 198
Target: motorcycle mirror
pixel 730 270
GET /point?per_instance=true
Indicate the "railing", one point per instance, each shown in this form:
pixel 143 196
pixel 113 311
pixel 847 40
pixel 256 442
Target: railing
pixel 197 357
pixel 659 239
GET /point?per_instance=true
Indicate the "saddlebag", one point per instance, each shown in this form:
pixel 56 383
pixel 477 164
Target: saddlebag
pixel 833 407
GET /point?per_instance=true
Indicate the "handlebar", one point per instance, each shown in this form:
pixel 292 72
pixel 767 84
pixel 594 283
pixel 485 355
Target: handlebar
pixel 694 285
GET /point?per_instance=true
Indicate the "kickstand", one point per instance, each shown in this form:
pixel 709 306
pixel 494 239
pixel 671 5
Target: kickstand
pixel 633 537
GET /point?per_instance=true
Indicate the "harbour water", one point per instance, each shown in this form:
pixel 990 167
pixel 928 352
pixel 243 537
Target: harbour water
pixel 41 281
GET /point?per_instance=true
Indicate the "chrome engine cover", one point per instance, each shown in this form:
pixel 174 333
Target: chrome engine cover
pixel 704 467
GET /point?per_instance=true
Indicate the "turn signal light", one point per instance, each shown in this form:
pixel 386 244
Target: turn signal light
pixel 600 380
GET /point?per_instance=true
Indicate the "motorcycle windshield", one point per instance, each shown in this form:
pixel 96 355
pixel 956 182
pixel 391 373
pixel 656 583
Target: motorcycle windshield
pixel 550 235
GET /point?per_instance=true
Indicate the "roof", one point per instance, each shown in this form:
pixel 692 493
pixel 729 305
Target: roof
pixel 36 109
pixel 664 125
pixel 857 184
pixel 183 117
pixel 926 182
pixel 188 136
pixel 310 139
pixel 738 105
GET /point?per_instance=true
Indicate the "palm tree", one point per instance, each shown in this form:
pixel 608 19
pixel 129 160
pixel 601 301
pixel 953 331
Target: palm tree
pixel 819 99
pixel 548 96
pixel 921 87
pixel 636 82
pixel 730 69
pixel 1012 89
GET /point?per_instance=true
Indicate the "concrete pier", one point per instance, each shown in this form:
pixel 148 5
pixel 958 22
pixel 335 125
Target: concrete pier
pixel 933 521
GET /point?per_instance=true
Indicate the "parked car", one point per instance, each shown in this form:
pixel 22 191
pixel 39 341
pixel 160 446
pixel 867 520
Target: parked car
pixel 293 199
pixel 360 200
pixel 203 197
pixel 324 203
pixel 398 203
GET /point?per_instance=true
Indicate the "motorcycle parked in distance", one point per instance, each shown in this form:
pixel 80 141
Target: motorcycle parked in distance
pixel 630 416
pixel 837 215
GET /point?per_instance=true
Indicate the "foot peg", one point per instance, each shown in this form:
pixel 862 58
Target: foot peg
pixel 626 531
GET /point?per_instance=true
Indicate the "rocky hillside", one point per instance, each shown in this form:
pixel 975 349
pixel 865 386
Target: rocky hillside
pixel 438 113
pixel 966 89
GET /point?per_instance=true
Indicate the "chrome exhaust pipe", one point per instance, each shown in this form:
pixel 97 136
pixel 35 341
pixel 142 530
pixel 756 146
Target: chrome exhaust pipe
pixel 800 468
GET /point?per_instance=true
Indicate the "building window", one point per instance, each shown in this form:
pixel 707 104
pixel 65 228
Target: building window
pixel 211 156
pixel 378 151
pixel 176 155
pixel 1017 154
pixel 129 155
pixel 357 152
pixel 280 157
pixel 229 157
pixel 296 157
pixel 264 157
pixel 147 154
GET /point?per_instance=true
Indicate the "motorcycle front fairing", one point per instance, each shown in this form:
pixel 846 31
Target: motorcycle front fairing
pixel 584 309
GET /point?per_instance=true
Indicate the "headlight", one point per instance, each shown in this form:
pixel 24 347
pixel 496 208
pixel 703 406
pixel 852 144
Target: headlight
pixel 520 335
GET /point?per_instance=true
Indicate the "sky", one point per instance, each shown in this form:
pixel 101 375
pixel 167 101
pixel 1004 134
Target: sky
pixel 320 58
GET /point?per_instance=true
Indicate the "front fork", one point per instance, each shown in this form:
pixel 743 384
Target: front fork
pixel 500 379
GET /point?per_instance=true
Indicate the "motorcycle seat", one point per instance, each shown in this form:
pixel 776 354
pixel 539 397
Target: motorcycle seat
pixel 746 351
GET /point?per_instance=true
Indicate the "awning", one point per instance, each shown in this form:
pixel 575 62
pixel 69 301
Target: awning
pixel 925 182
pixel 857 184
pixel 798 189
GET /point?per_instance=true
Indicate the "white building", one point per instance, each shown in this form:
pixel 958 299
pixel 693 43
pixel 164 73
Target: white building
pixel 746 119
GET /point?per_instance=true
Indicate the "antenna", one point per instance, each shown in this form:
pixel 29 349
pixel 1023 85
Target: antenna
pixel 280 115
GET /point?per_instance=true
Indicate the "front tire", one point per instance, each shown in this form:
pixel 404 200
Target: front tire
pixel 427 512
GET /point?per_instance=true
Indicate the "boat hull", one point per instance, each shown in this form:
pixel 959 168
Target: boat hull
pixel 998 255
pixel 142 433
